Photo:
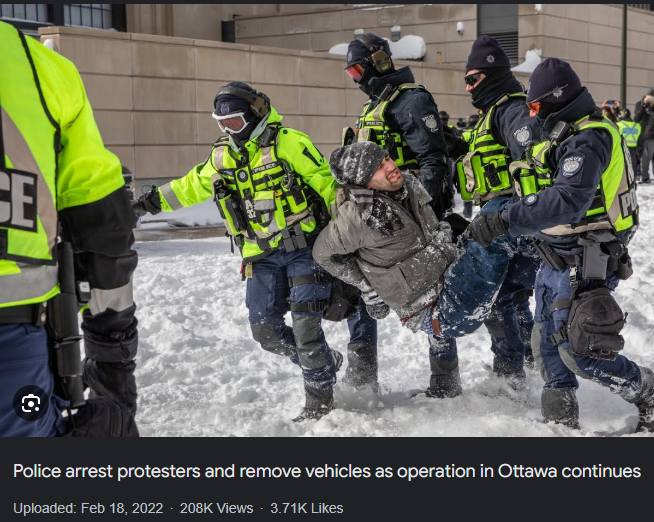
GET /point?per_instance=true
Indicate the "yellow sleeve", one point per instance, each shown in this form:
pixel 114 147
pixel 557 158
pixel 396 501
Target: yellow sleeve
pixel 305 159
pixel 88 171
pixel 189 190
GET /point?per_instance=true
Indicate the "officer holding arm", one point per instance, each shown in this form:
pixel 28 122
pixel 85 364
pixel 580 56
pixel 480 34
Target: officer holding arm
pixel 274 191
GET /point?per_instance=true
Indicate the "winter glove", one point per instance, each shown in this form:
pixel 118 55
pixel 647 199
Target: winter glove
pixel 148 202
pixel 109 365
pixel 375 306
pixel 456 146
pixel 485 228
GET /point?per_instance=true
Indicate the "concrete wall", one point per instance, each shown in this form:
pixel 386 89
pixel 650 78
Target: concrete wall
pixel 321 26
pixel 589 36
pixel 182 20
pixel 153 95
pixel 586 35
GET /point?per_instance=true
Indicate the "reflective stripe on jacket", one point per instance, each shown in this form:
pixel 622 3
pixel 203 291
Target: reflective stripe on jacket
pixel 483 172
pixel 630 131
pixel 264 196
pixel 372 125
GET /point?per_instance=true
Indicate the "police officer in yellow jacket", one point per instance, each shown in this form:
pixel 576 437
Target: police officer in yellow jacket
pixel 631 131
pixel 57 181
pixel 578 198
pixel 274 192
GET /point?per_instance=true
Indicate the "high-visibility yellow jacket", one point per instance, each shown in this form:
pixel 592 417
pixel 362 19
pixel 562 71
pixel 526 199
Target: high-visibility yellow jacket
pixel 264 196
pixel 54 167
pixel 630 131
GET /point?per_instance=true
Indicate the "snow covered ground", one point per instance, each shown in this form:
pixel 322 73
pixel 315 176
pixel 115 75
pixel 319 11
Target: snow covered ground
pixel 201 374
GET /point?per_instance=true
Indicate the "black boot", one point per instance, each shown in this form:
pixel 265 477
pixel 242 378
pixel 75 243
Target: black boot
pixel 362 369
pixel 560 406
pixel 645 402
pixel 445 381
pixel 318 404
pixel 515 378
pixel 446 385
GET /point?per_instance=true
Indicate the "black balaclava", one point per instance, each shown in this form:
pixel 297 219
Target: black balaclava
pixel 484 94
pixel 226 103
pixel 488 56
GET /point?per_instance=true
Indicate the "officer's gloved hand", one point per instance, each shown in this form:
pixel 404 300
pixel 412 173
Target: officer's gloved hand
pixel 485 228
pixel 455 145
pixel 148 202
pixel 109 364
pixel 375 306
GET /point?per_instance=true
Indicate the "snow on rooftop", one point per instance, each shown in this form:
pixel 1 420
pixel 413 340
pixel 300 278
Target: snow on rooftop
pixel 409 47
pixel 532 59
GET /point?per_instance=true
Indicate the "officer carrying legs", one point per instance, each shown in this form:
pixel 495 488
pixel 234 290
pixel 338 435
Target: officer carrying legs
pixel 578 198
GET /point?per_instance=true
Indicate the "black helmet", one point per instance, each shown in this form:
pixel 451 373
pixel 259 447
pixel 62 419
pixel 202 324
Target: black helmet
pixel 368 55
pixel 239 108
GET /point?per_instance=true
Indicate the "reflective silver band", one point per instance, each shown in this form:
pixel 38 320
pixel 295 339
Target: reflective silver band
pixel 118 299
pixel 170 196
pixel 32 282
pixel 22 158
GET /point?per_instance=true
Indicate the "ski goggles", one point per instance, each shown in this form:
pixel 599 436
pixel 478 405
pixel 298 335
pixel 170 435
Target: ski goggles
pixel 355 71
pixel 535 105
pixel 473 78
pixel 232 123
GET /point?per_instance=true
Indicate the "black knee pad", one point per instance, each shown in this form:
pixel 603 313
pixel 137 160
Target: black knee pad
pixel 594 325
pixel 266 335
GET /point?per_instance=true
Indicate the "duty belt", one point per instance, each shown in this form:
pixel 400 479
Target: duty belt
pixel 559 262
pixel 24 314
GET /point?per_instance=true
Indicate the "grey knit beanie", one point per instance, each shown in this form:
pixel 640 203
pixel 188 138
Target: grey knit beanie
pixel 356 164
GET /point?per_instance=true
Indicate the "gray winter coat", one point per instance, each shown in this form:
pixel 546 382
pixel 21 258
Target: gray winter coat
pixel 406 267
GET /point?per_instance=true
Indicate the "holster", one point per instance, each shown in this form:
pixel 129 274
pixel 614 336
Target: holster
pixel 549 257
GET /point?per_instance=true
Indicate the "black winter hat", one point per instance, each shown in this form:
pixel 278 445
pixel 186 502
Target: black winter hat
pixel 357 52
pixel 553 81
pixel 443 115
pixel 227 103
pixel 356 164
pixel 486 53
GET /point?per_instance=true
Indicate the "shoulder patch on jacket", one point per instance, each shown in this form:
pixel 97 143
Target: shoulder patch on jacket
pixel 431 122
pixel 572 165
pixel 522 135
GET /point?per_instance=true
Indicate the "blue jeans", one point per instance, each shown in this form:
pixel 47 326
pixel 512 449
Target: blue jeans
pixel 559 366
pixel 473 281
pixel 477 278
pixel 24 361
pixel 511 322
pixel 363 328
pixel 266 298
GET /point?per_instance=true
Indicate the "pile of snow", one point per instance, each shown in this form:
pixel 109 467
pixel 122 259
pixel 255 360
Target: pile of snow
pixel 532 59
pixel 410 47
pixel 200 373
